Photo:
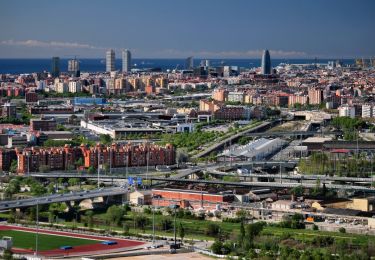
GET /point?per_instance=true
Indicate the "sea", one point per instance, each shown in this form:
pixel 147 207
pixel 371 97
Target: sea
pixel 24 66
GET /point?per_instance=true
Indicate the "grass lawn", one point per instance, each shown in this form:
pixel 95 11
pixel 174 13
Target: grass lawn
pixel 26 240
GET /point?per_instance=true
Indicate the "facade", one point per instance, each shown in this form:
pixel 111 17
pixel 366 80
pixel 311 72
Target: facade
pixel 110 61
pixel 367 111
pixel 73 68
pixel 229 113
pixel 236 97
pixel 9 111
pixel 31 97
pixel 128 155
pixel 315 96
pixel 55 67
pixel 126 61
pixel 74 87
pixel 346 110
pixel 53 158
pixel 6 158
pixel 41 124
pixel 189 198
pixel 266 63
pixel 220 94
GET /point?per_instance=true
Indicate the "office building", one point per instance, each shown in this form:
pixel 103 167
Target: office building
pixel 189 63
pixel 73 68
pixel 266 63
pixel 9 111
pixel 126 61
pixel 110 60
pixel 55 68
pixel 42 124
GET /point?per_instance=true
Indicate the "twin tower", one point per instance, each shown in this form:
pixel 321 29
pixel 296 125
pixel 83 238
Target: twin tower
pixel 126 61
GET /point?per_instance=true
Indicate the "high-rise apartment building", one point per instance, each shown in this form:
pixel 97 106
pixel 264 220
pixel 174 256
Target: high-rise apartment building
pixel 315 96
pixel 73 68
pixel 126 61
pixel 110 60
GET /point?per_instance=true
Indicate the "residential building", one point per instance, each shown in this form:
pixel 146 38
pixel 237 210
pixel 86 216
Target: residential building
pixel 110 61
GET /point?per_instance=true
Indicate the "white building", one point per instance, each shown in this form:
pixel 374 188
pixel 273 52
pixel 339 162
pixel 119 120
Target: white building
pixel 367 110
pixel 126 61
pixel 236 97
pixel 346 110
pixel 74 86
pixel 110 60
pixel 61 87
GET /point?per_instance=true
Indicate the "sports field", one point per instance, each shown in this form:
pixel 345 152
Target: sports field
pixel 26 240
pixel 51 241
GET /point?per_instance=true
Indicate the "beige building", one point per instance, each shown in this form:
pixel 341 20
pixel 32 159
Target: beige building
pixel 362 204
pixel 140 197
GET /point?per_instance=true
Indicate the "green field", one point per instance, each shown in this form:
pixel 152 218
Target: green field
pixel 26 240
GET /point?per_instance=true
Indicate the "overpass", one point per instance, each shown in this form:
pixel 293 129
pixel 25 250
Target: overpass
pixel 292 133
pixel 265 184
pixel 233 138
pixel 64 197
pixel 292 177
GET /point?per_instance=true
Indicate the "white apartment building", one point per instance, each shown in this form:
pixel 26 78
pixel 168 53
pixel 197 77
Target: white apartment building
pixel 346 110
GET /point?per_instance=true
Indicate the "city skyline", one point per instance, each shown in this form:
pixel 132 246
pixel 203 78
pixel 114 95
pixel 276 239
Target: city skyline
pixel 216 30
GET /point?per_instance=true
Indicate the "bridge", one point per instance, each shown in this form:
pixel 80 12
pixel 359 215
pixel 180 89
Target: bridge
pixel 265 184
pixel 64 197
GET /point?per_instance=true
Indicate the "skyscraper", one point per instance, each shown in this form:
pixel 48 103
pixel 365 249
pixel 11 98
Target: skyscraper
pixel 189 63
pixel 73 68
pixel 55 67
pixel 110 60
pixel 126 61
pixel 266 63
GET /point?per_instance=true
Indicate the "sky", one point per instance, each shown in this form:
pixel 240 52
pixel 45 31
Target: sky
pixel 182 28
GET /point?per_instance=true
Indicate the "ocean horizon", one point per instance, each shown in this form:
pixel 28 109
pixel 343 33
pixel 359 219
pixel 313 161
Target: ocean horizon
pixel 30 65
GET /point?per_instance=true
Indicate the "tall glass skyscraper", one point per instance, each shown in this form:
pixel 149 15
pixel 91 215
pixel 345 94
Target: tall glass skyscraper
pixel 110 60
pixel 126 61
pixel 55 67
pixel 189 63
pixel 266 62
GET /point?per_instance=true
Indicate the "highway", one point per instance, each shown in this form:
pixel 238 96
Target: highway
pixel 231 138
pixel 292 133
pixel 265 184
pixel 104 192
pixel 291 177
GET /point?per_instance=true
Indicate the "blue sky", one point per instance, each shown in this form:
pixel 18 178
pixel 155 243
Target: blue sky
pixel 177 28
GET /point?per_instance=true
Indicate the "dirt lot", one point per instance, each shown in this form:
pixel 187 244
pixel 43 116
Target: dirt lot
pixel 184 256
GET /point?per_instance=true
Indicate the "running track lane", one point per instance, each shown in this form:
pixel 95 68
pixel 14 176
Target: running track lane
pixel 77 250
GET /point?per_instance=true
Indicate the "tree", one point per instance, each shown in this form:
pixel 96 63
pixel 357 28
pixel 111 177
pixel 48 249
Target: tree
pixel 216 247
pixel 13 166
pixel 7 254
pixel 166 224
pixel 38 189
pixel 181 232
pixel 89 218
pixel 114 215
pixel 73 181
pixel 212 229
pixel 141 222
pixel 182 156
pixel 105 139
pixel 91 170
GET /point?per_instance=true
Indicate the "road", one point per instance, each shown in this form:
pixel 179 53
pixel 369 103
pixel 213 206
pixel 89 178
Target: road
pixel 104 192
pixel 266 184
pixel 229 139
pixel 292 177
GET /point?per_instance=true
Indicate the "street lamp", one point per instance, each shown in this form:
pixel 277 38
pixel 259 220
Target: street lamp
pixel 175 207
pixel 37 228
